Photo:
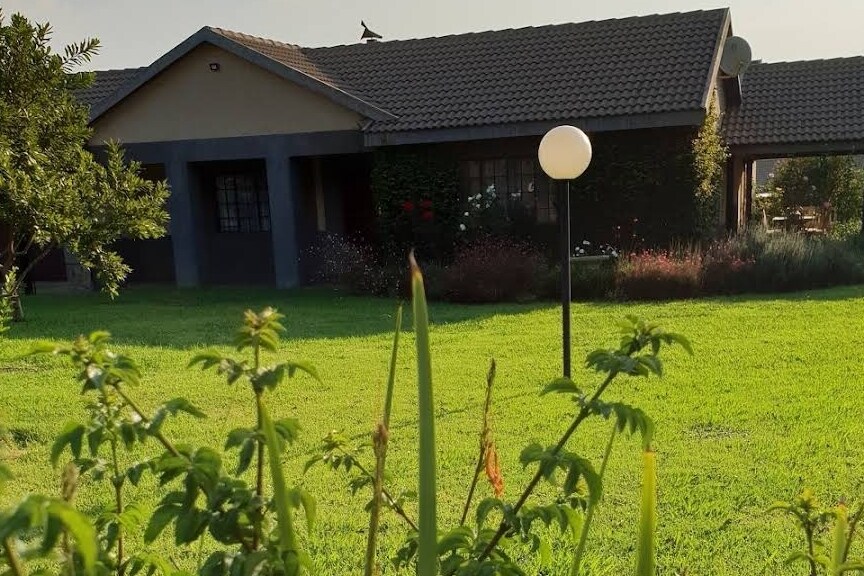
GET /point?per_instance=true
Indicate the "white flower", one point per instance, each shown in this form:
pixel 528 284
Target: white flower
pixel 586 243
pixel 462 227
pixel 806 179
pixel 813 187
pixel 770 175
pixel 466 214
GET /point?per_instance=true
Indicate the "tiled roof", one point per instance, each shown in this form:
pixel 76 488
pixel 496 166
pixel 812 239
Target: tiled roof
pixel 799 102
pixel 289 54
pixel 620 67
pixel 638 65
pixel 105 84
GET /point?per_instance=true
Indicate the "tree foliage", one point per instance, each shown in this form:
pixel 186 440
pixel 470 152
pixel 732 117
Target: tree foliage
pixel 53 192
pixel 709 157
pixel 830 182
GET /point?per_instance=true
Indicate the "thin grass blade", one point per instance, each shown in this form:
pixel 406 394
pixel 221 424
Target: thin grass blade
pixel 646 561
pixel 427 555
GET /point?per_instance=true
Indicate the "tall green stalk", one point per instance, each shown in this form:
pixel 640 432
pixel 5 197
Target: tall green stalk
pixel 380 437
pixel 285 522
pixel 646 562
pixel 427 555
pixel 838 549
pixel 589 516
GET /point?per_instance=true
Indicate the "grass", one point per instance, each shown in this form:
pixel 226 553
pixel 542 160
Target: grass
pixel 770 403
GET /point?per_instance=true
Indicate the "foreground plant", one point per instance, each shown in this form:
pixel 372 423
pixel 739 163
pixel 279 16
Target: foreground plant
pixel 814 520
pixel 483 549
pixel 255 532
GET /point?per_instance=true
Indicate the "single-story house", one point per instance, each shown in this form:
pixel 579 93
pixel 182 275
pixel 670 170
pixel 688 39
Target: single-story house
pixel 265 143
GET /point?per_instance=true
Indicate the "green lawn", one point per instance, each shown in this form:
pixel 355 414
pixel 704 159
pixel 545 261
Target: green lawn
pixel 772 401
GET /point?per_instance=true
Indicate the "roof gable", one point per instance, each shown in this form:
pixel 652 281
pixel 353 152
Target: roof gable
pixel 230 44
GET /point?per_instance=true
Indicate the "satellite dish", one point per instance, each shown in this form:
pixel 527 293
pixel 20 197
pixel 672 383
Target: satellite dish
pixel 737 56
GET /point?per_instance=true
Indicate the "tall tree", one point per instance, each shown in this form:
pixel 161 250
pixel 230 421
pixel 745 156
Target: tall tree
pixel 53 192
pixel 834 182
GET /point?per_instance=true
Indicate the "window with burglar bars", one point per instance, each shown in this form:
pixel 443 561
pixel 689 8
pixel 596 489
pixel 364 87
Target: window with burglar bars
pixel 242 202
pixel 516 181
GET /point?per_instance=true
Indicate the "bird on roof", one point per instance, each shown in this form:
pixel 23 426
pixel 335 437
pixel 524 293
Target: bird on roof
pixel 369 34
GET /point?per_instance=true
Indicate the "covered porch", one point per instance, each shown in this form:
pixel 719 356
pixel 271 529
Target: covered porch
pixel 791 109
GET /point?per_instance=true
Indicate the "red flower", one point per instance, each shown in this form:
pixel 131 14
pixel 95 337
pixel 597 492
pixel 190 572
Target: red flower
pixel 426 204
pixel 408 206
pixel 427 215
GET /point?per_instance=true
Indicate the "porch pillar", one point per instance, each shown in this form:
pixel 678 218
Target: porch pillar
pixel 183 224
pixel 748 191
pixel 736 177
pixel 283 225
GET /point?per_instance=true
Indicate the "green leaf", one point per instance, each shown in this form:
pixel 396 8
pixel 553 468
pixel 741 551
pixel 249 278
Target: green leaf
pixel 81 530
pixel 486 506
pixel 191 523
pixel 302 499
pixel 247 451
pixel 561 386
pixel 206 359
pixel 161 517
pixel 459 539
pixel 72 435
pixel 288 429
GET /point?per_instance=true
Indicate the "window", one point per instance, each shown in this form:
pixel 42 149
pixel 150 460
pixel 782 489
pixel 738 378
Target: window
pixel 518 182
pixel 242 202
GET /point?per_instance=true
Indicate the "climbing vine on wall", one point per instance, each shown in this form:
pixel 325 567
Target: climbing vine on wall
pixel 709 158
pixel 417 202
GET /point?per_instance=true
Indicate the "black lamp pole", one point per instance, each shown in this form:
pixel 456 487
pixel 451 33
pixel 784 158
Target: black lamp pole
pixel 564 215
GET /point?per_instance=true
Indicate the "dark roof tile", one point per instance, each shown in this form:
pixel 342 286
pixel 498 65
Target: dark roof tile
pixel 799 102
pixel 106 83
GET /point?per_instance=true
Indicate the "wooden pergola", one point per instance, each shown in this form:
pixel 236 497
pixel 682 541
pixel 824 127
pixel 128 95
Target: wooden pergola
pixel 788 109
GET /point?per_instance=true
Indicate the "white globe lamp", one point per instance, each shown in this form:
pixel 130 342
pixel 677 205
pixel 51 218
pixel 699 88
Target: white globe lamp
pixel 564 154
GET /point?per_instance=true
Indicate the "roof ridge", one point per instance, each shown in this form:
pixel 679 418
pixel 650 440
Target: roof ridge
pixel 521 28
pixel 815 60
pixel 224 31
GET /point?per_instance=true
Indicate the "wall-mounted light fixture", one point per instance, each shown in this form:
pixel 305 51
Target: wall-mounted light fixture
pixel 214 67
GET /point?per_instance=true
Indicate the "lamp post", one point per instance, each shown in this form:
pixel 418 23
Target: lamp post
pixel 564 154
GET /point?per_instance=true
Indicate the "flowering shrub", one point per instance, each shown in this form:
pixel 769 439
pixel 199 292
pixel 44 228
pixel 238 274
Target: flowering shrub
pixel 660 275
pixel 493 270
pixel 338 261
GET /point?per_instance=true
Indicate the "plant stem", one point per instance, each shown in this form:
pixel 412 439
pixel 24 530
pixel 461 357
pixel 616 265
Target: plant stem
pixel 808 531
pixel 379 444
pixel 853 525
pixel 380 438
pixel 484 435
pixel 259 470
pixel 389 497
pixel 158 435
pixel 15 565
pixel 118 503
pixel 477 470
pixel 529 489
pixel 583 537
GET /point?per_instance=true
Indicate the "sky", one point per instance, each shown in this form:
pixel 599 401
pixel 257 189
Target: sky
pixel 137 32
